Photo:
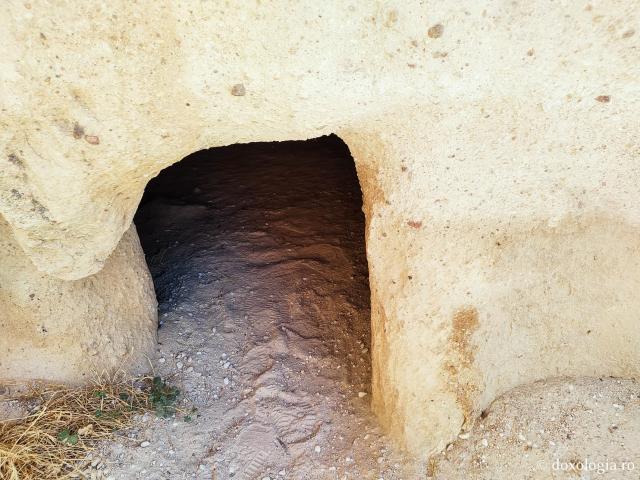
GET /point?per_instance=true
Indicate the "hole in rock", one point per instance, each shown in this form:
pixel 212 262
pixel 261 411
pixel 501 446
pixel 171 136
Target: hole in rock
pixel 258 259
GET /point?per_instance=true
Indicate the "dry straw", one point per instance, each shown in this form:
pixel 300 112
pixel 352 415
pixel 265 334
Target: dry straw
pixel 63 424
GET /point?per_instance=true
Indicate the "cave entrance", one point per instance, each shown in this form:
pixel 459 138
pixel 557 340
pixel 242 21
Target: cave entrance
pixel 258 258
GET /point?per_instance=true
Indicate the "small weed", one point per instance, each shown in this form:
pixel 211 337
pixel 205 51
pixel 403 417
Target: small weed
pixel 189 416
pixel 109 414
pixel 65 436
pixel 163 397
pixel 64 423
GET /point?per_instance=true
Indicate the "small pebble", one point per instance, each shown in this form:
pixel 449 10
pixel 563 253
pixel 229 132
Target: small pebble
pixel 145 444
pixel 238 90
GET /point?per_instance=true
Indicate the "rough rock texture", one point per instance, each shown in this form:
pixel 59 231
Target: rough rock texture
pixel 59 330
pixel 496 147
pixel 488 273
pixel 564 428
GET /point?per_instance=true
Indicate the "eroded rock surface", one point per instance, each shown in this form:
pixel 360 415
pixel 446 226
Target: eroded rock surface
pixel 70 331
pixel 496 147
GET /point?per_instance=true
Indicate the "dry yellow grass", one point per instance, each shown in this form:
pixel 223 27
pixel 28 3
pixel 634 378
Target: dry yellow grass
pixel 64 424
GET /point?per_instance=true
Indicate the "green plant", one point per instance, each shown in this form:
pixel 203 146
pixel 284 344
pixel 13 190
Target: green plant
pixel 66 436
pixel 66 423
pixel 163 397
pixel 189 416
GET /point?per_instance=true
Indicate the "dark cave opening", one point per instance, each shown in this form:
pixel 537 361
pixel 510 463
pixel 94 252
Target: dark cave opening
pixel 268 230
pixel 257 253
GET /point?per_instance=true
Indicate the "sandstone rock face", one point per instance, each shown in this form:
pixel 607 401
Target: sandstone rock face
pixel 68 331
pixel 496 147
pixel 485 277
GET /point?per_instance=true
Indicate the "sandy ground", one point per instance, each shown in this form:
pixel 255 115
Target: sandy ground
pixel 559 429
pixel 258 259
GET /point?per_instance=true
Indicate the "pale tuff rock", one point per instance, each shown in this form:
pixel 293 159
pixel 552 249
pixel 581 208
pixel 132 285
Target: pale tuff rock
pixel 496 147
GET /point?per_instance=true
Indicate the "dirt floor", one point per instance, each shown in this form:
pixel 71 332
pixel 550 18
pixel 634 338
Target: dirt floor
pixel 257 254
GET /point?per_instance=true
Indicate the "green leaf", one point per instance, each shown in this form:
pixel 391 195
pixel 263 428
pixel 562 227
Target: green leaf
pixel 65 436
pixel 163 397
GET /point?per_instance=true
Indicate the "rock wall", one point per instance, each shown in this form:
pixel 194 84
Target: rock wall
pixel 496 147
pixel 70 331
pixel 488 273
